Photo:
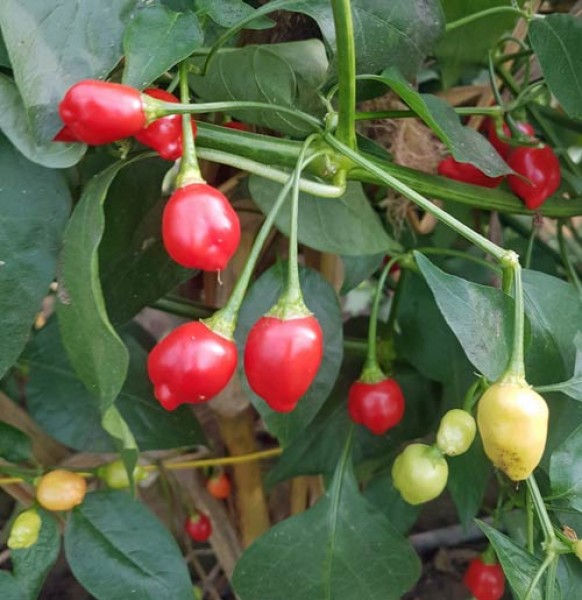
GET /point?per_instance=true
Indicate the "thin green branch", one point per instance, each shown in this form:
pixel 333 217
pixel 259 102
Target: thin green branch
pixel 483 14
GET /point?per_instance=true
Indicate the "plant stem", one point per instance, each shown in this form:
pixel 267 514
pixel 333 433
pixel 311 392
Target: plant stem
pixel 189 169
pixel 516 368
pixel 538 576
pixel 459 254
pixel 530 243
pixel 346 61
pixel 541 511
pixel 493 111
pixel 529 509
pixel 551 579
pixel 484 13
pixel 567 261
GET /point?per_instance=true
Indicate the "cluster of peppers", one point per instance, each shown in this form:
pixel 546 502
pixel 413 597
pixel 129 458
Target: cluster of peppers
pixel 537 169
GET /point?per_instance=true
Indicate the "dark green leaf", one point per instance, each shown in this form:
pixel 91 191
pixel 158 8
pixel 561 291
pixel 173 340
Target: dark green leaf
pixel 173 35
pixel 358 269
pixel 97 354
pixel 113 533
pixel 557 42
pixel 346 225
pixel 465 144
pixel 570 576
pixel 15 125
pixel 468 45
pixel 228 13
pixel 566 472
pixel 34 204
pixel 4 59
pixel 9 588
pixel 466 307
pixel 283 74
pixel 63 407
pixel 53 44
pixel 32 565
pixel 335 547
pixel 518 565
pixel 573 386
pixel 15 445
pixel 399 33
pixel 135 269
pixel 321 299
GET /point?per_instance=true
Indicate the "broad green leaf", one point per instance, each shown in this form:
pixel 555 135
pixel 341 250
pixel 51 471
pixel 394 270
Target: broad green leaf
pixel 467 46
pixel 32 565
pixel 557 42
pixel 566 472
pixel 173 35
pixel 358 269
pixel 53 44
pixel 518 565
pixel 464 143
pixel 9 587
pixel 466 307
pixel 469 475
pixel 321 299
pixel 570 576
pixel 59 402
pixel 113 533
pixel 15 445
pixel 4 59
pixel 15 125
pixel 397 34
pixel 228 13
pixel 346 225
pixel 135 269
pixel 97 354
pixel 288 75
pixel 34 206
pixel 573 386
pixel 342 549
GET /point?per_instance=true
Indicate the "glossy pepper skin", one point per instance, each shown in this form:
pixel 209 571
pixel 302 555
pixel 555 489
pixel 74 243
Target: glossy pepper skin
pixel 282 358
pixel 503 148
pixel 65 135
pixel 61 490
pixel 513 423
pixel 97 112
pixel 378 406
pixel 219 486
pixel 25 530
pixel 191 365
pixel 456 432
pixel 486 582
pixel 198 527
pixel 466 172
pixel 541 167
pixel 420 473
pixel 200 229
pixel 164 135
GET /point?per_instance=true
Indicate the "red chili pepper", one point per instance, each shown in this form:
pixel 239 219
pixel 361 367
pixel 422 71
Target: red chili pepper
pixel 219 486
pixel 97 112
pixel 282 358
pixel 164 135
pixel 542 169
pixel 378 406
pixel 200 229
pixel 191 365
pixel 466 172
pixel 198 527
pixel 503 148
pixel 237 125
pixel 65 135
pixel 485 581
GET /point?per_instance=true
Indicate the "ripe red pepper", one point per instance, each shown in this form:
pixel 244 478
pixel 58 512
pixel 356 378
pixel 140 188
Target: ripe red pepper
pixel 97 112
pixel 65 135
pixel 485 581
pixel 164 135
pixel 466 172
pixel 282 358
pixel 219 486
pixel 503 148
pixel 541 167
pixel 237 125
pixel 378 406
pixel 200 229
pixel 198 527
pixel 191 365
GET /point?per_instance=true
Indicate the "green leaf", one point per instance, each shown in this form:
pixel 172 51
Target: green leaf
pixel 399 33
pixel 287 75
pixel 9 588
pixel 573 386
pixel 465 144
pixel 97 354
pixel 346 225
pixel 4 59
pixel 335 546
pixel 569 576
pixel 518 565
pixel 53 44
pixel 465 307
pixel 15 445
pixel 359 268
pixel 135 269
pixel 173 35
pixel 228 13
pixel 321 299
pixel 34 204
pixel 467 46
pixel 59 402
pixel 115 425
pixel 566 473
pixel 111 533
pixel 32 565
pixel 557 42
pixel 15 125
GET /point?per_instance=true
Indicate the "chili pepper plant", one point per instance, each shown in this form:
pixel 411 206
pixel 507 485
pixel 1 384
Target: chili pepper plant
pixel 274 277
